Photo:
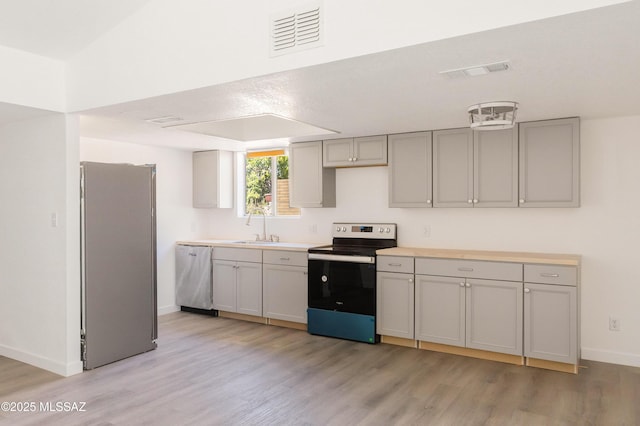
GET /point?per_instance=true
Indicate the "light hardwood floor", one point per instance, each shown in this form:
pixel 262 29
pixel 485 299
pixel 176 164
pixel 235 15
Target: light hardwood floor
pixel 210 371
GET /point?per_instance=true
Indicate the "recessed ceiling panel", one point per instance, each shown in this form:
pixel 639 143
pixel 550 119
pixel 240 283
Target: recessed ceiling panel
pixel 255 128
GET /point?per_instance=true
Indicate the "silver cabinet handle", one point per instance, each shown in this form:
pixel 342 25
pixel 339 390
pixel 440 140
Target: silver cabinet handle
pixel 428 201
pixel 526 290
pixel 461 284
pixel 467 285
pixel 475 201
pixel 355 159
pixel 521 200
pixel 410 280
pixel 469 201
pixel 284 258
pixel 548 275
pixel 465 269
pixel 395 264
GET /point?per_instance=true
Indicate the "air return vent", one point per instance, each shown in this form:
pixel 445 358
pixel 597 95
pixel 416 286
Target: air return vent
pixel 296 30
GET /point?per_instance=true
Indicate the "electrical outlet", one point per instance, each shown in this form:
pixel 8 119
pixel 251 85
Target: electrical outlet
pixel 614 323
pixel 313 229
pixel 426 232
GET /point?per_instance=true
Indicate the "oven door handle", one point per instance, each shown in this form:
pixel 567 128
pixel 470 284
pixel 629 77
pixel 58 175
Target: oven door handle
pixel 342 258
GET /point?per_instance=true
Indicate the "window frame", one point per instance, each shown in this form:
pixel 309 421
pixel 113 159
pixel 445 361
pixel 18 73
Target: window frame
pixel 241 177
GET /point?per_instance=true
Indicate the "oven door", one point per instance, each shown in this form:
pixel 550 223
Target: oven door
pixel 342 283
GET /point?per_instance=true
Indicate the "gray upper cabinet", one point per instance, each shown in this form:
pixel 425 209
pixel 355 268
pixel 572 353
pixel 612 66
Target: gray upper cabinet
pixel 351 152
pixel 410 176
pixel 453 168
pixel 495 168
pixel 550 163
pixel 212 179
pixel 475 169
pixel 311 185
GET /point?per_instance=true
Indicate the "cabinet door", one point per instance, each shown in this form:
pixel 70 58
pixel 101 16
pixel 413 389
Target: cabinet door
pixel 285 292
pixel 494 316
pixel 495 168
pixel 249 288
pixel 453 168
pixel 550 163
pixel 410 170
pixel 440 310
pixel 370 151
pixel 551 322
pixel 224 285
pixel 310 185
pixel 212 179
pixel 337 152
pixel 395 304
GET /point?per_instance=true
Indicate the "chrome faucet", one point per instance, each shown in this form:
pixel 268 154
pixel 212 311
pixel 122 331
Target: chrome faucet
pixel 262 210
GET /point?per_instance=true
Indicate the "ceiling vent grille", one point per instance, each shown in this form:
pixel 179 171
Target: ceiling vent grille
pixel 476 70
pixel 296 30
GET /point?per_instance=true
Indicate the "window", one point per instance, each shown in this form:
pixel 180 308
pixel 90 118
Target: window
pixel 266 187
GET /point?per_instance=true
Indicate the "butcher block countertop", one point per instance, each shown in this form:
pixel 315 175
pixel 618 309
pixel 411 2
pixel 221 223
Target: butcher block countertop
pixel 496 256
pixel 261 245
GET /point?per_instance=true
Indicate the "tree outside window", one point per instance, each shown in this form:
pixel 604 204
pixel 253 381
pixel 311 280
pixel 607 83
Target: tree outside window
pixel 267 185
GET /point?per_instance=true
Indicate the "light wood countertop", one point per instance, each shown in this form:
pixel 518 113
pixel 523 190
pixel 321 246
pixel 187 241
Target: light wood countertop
pixel 289 246
pixel 496 256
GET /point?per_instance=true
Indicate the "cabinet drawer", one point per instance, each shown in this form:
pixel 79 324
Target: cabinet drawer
pixel 395 264
pixel 237 254
pixel 281 257
pixel 503 271
pixel 551 274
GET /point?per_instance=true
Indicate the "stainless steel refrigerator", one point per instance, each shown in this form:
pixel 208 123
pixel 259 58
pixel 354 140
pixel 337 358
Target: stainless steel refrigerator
pixel 118 238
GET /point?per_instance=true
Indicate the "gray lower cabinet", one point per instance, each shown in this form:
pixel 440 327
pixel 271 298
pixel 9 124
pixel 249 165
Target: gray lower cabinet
pixel 395 296
pixel 550 163
pixel 237 280
pixel 551 313
pixel 410 172
pixel 494 316
pixel 395 304
pixel 472 313
pixel 284 281
pixel 353 152
pixel 310 184
pixel 440 310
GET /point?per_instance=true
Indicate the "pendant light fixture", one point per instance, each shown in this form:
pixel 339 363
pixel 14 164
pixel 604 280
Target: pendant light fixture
pixel 492 115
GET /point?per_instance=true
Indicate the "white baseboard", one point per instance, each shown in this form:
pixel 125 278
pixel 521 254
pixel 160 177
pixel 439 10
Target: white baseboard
pixel 168 309
pixel 620 358
pixel 62 369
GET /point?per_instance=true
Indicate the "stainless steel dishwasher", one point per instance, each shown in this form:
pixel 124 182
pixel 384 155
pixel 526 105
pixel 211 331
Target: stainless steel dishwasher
pixel 193 278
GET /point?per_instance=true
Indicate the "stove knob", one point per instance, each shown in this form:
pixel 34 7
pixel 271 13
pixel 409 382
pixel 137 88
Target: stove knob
pixel 337 229
pixel 380 230
pixel 387 230
pixel 344 229
pixel 324 278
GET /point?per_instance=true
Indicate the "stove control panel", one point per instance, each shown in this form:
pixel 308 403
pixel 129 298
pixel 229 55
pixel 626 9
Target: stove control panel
pixel 365 230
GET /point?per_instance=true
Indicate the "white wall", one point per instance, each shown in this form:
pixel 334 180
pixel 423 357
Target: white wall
pixel 605 230
pixel 170 46
pixel 39 282
pixel 32 80
pixel 176 218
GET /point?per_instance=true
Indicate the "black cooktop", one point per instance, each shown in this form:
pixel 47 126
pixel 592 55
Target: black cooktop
pixel 354 246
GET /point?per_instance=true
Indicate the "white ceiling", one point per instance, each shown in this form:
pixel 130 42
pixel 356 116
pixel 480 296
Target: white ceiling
pixel 59 28
pixel 585 64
